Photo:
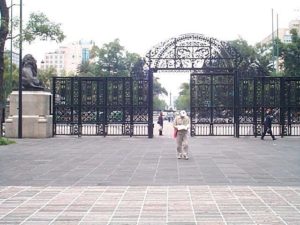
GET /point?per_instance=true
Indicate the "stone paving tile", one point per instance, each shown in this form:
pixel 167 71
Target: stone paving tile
pixel 116 181
pixel 153 205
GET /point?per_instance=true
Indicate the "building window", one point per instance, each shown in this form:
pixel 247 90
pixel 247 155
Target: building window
pixel 85 55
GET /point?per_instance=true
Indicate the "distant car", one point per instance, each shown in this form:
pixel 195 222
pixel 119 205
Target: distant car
pixel 116 116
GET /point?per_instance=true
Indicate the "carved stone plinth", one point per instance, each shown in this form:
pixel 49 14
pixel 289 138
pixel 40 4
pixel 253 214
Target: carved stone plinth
pixel 37 121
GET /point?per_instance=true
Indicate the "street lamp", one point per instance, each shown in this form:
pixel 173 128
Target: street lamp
pixel 20 75
pixel 11 44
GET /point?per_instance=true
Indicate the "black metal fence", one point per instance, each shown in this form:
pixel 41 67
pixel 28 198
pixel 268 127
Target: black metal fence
pixel 101 106
pixel 224 105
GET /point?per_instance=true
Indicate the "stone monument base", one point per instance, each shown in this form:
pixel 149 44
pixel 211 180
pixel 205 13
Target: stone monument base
pixel 36 118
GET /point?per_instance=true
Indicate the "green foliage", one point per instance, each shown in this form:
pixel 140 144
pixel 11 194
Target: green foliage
pixel 5 141
pixel 158 89
pixel 158 104
pixel 259 55
pixel 183 100
pixel 110 60
pixel 45 76
pixel 290 53
pixel 39 26
pixel 10 82
pixel 87 69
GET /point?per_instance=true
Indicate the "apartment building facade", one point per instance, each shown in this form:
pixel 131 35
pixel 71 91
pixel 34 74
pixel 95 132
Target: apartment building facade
pixel 66 59
pixel 283 33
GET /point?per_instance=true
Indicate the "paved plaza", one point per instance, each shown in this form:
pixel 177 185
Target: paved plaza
pixel 122 180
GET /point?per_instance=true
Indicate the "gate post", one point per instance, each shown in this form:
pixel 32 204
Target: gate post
pixel 254 107
pixel 53 106
pixel 150 103
pixel 282 104
pixel 237 104
pixel 79 107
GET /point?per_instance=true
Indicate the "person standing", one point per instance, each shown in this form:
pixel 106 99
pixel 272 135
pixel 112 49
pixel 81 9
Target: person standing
pixel 160 123
pixel 268 125
pixel 181 125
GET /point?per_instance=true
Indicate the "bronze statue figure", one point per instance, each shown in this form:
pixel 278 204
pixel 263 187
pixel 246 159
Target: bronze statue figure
pixel 30 81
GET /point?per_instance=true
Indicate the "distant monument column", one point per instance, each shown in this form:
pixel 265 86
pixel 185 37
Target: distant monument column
pixel 36 119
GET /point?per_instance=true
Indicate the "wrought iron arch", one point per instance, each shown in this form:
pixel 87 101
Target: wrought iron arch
pixel 192 52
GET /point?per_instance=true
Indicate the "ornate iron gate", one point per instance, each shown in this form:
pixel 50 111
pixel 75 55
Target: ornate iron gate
pixel 102 106
pixel 223 104
pixel 223 100
pixel 281 94
pixel 212 104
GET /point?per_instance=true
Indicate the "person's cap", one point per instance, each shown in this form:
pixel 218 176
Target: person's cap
pixel 182 113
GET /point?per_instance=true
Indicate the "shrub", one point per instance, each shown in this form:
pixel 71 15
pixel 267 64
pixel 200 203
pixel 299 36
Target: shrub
pixel 5 141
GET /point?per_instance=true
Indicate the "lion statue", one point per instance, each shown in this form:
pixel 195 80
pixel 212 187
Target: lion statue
pixel 29 74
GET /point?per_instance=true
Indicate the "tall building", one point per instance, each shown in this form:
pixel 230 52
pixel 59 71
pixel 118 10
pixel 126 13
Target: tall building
pixel 283 33
pixel 15 56
pixel 284 36
pixel 66 59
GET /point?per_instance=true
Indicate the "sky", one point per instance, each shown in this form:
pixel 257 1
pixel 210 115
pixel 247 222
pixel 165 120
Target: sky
pixel 141 24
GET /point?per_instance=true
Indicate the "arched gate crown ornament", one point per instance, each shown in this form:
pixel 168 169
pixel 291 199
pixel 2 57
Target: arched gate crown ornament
pixel 192 52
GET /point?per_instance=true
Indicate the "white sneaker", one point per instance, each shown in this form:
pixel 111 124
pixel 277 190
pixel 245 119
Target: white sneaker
pixel 179 156
pixel 186 157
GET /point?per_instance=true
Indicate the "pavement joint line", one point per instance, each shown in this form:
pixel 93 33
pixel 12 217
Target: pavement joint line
pixel 142 207
pixel 156 170
pixel 136 168
pixel 238 200
pixel 112 172
pixel 49 187
pixel 90 209
pixel 269 207
pixel 284 199
pixel 117 206
pixel 212 195
pixel 56 168
pixel 20 204
pixel 167 213
pixel 3 190
pixel 53 220
pixel 191 202
pixel 82 178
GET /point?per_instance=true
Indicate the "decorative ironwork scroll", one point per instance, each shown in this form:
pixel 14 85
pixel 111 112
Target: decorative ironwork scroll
pixel 100 106
pixel 192 52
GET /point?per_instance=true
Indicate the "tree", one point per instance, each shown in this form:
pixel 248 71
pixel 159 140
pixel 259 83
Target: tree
pixel 258 56
pixel 4 23
pixel 87 69
pixel 10 82
pixel 290 54
pixel 158 90
pixel 38 26
pixel 183 100
pixel 111 59
pixel 158 104
pixel 46 75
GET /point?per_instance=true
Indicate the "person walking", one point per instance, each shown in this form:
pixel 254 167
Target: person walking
pixel 160 123
pixel 268 125
pixel 181 125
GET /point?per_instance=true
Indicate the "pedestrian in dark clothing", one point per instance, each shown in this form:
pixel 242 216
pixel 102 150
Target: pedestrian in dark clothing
pixel 268 125
pixel 160 123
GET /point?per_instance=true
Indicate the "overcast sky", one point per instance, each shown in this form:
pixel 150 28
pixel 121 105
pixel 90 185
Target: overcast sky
pixel 141 24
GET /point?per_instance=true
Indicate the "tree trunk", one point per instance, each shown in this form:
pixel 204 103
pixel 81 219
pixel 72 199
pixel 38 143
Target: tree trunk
pixel 3 35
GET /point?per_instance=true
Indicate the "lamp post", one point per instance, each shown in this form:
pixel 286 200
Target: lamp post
pixel 20 75
pixel 11 45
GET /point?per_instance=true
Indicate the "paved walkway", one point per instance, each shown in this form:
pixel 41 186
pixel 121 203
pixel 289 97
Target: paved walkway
pixel 120 180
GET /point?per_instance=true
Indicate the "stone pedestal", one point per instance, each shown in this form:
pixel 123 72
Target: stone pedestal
pixel 37 121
